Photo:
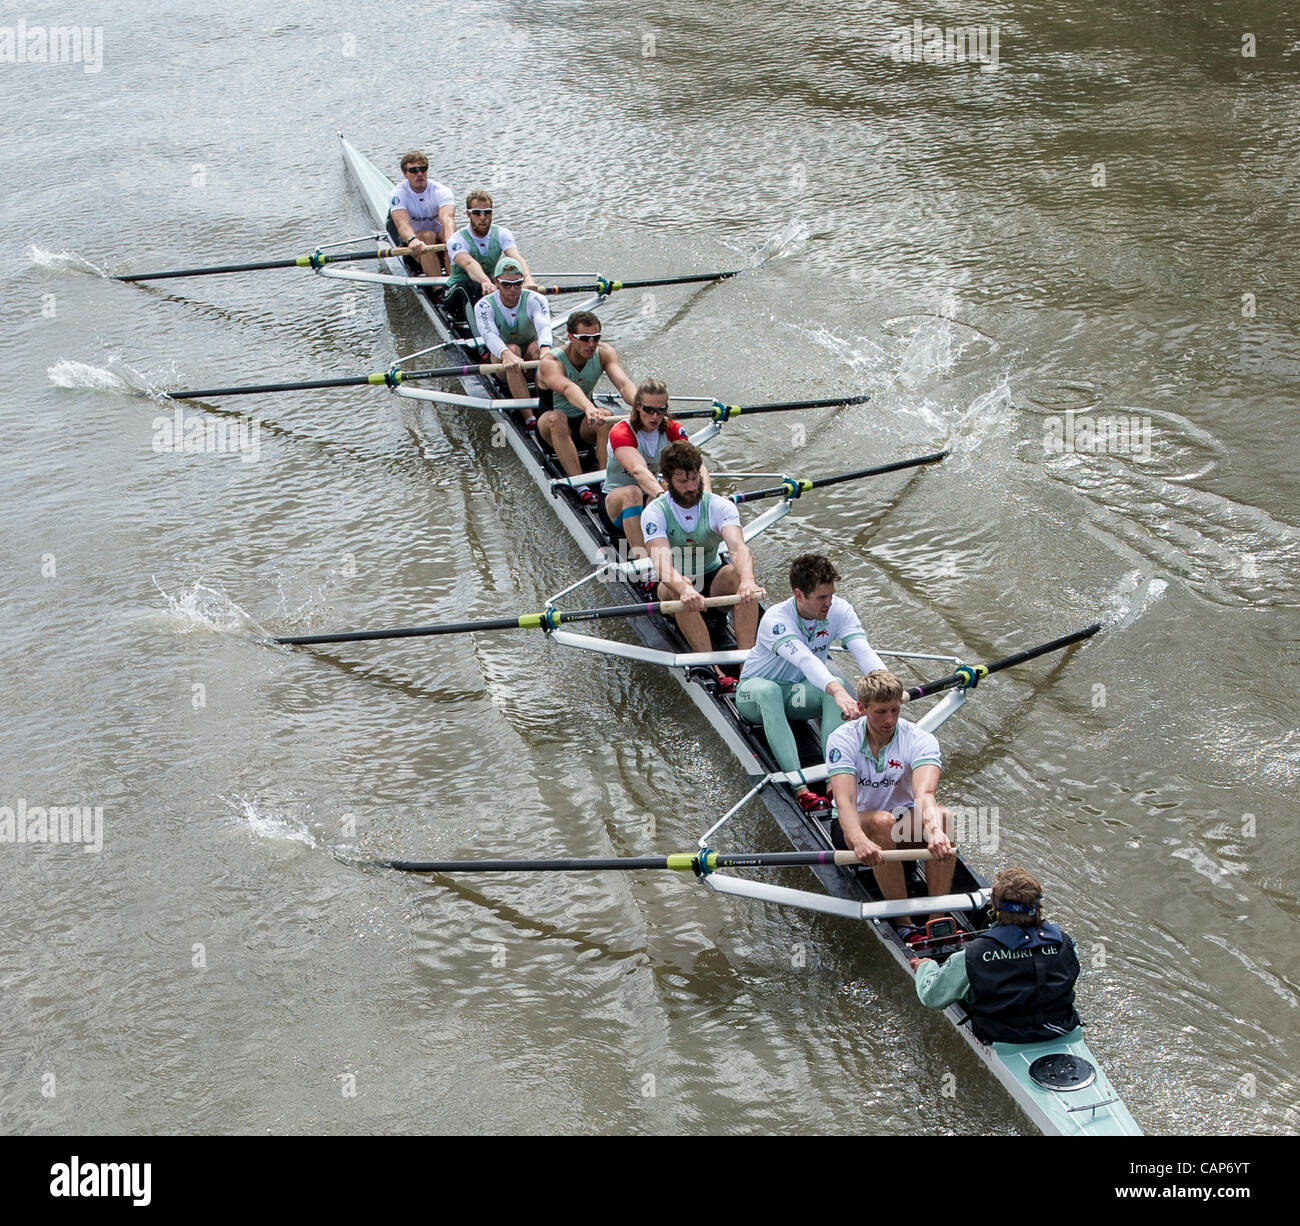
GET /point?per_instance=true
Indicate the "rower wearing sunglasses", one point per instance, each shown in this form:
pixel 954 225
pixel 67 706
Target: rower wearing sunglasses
pixel 567 418
pixel 423 213
pixel 514 322
pixel 474 252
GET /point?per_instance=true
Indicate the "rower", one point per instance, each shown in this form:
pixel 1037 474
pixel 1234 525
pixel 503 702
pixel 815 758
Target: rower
pixel 787 675
pixel 566 414
pixel 423 213
pixel 474 252
pixel 634 447
pixel 1017 978
pixel 685 527
pixel 514 322
pixel 883 773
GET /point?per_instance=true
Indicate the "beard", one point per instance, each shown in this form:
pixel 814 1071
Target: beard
pixel 687 501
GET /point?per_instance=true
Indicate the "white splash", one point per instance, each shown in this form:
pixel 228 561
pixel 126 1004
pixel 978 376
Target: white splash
pixel 63 261
pixel 81 376
pixel 785 241
pixel 1133 595
pixel 272 826
pixel 200 607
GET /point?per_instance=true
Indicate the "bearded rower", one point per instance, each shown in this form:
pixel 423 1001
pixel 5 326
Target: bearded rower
pixel 883 773
pixel 474 252
pixel 514 322
pixel 634 447
pixel 566 414
pixel 423 213
pixel 787 675
pixel 686 525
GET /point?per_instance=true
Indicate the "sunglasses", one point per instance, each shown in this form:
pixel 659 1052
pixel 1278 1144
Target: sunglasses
pixel 513 283
pixel 593 337
pixel 417 170
pixel 480 212
pixel 654 408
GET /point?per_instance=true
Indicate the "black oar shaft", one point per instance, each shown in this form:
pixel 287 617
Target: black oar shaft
pixel 721 412
pixel 703 862
pixel 793 489
pixel 549 619
pixel 964 678
pixel 389 378
pixel 604 286
pixel 308 261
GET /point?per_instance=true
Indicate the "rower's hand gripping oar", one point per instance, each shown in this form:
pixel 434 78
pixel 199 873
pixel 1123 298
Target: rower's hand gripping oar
pixel 383 378
pixel 701 863
pixel 607 285
pixel 548 619
pixel 792 488
pixel 317 260
pixel 968 676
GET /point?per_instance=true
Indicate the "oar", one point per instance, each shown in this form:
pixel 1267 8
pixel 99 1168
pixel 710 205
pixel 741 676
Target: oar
pixel 791 488
pixel 548 619
pixel 317 259
pixel 386 378
pixel 724 412
pixel 701 863
pixel 969 675
pixel 606 286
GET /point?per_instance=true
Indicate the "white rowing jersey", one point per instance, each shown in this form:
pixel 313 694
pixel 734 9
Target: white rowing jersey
pixel 791 648
pixel 722 511
pixel 884 782
pixel 422 206
pixel 486 319
pixel 476 247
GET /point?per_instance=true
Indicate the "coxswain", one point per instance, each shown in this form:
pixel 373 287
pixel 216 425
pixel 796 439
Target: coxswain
pixel 514 322
pixel 634 446
pixel 883 773
pixel 474 251
pixel 685 528
pixel 423 213
pixel 788 675
pixel 1016 978
pixel 567 417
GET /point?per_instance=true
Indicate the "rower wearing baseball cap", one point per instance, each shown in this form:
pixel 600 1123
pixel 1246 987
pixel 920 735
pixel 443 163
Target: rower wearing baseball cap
pixel 474 251
pixel 514 322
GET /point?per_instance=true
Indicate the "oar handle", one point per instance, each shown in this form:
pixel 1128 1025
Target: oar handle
pixel 846 858
pixel 710 602
pixel 495 368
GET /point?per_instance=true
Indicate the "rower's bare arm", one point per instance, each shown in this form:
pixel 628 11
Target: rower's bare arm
pixel 679 587
pixel 935 818
pixel 705 480
pixel 447 217
pixel 636 467
pixel 550 374
pixel 402 224
pixel 740 557
pixel 844 792
pixel 617 375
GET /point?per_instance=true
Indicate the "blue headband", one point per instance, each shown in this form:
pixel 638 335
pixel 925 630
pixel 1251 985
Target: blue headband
pixel 1019 908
